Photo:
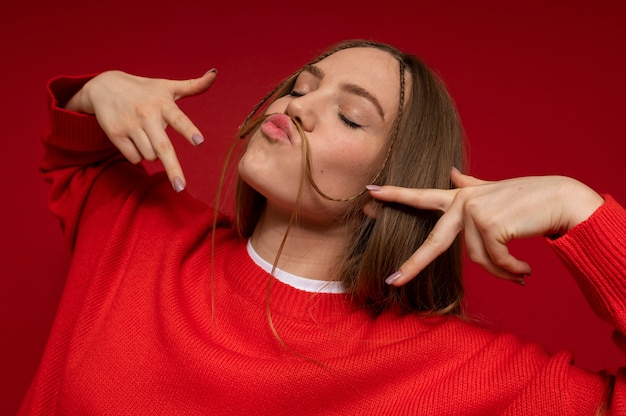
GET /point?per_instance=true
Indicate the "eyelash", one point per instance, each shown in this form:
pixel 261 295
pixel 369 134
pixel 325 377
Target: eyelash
pixel 349 123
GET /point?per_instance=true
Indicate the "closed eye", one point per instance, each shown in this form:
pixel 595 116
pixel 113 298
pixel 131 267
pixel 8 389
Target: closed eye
pixel 347 121
pixel 351 124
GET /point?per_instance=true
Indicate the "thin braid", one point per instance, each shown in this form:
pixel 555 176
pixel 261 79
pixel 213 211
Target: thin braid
pixel 387 156
pixel 256 108
pixel 245 129
pixel 243 132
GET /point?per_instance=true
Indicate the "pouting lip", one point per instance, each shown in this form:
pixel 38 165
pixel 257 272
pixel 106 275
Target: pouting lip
pixel 278 127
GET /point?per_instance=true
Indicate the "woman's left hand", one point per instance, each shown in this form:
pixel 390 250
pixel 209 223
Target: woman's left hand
pixel 491 214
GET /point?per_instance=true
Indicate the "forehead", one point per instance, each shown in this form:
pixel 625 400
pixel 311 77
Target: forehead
pixel 375 70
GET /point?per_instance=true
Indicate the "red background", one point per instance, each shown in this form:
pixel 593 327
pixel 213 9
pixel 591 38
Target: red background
pixel 540 87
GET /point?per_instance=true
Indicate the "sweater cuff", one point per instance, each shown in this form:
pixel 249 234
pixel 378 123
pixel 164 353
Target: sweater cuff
pixel 67 129
pixel 595 252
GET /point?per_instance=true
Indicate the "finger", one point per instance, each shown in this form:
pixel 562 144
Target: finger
pixel 477 252
pixel 439 240
pixel 179 121
pixel 167 155
pixel 461 181
pixel 434 199
pixel 193 86
pixel 143 145
pixel 501 257
pixel 128 149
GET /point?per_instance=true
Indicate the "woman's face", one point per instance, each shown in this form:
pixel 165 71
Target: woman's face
pixel 347 104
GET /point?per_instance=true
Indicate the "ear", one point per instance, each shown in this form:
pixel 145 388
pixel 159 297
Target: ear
pixel 371 208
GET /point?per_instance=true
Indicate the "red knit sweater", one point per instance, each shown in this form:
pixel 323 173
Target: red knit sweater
pixel 136 334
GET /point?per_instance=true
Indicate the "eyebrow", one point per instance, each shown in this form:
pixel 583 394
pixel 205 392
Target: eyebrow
pixel 349 87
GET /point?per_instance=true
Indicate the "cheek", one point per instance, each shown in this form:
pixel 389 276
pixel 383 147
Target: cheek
pixel 343 171
pixel 346 159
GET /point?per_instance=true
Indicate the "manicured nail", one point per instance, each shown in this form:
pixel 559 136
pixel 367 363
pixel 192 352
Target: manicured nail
pixel 374 188
pixel 178 184
pixel 197 139
pixel 393 277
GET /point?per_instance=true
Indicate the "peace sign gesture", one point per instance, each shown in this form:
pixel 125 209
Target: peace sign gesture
pixel 491 214
pixel 134 112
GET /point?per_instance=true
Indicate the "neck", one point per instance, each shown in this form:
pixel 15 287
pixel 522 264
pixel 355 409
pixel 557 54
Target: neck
pixel 310 251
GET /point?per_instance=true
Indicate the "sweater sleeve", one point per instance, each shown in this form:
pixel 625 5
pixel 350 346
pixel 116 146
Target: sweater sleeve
pixel 89 177
pixel 595 253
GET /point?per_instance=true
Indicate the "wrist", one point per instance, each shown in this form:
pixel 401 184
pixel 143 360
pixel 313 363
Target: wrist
pixel 80 102
pixel 580 203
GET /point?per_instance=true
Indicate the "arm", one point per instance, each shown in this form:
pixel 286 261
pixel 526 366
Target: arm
pixel 84 157
pixel 587 232
pixel 595 253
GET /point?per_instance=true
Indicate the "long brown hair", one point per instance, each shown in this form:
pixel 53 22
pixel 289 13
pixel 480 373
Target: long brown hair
pixel 425 143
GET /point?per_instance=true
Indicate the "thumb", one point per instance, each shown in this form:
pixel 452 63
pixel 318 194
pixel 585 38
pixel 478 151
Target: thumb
pixel 193 86
pixel 461 181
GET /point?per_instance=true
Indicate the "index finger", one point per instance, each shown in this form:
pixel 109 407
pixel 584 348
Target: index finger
pixel 433 199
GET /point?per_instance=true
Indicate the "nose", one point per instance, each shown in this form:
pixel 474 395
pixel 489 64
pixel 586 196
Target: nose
pixel 300 108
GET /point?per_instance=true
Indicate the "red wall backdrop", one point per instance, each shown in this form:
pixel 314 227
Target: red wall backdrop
pixel 540 87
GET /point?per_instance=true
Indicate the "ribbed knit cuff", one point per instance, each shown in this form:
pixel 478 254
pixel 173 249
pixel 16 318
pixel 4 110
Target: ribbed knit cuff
pixel 70 130
pixel 595 251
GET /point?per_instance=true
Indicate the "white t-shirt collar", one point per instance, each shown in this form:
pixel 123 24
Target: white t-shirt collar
pixel 298 282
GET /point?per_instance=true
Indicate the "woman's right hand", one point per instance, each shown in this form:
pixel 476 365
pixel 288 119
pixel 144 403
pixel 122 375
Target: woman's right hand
pixel 135 111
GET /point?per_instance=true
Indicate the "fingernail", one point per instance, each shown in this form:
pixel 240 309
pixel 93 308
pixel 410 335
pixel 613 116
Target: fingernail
pixel 178 184
pixel 393 277
pixel 212 70
pixel 197 139
pixel 373 187
pixel 520 281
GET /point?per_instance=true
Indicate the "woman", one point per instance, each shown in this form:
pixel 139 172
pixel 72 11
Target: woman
pixel 306 304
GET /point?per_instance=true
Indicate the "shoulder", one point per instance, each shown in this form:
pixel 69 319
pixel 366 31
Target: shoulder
pixel 459 342
pixel 149 212
pixel 155 200
pixel 501 370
